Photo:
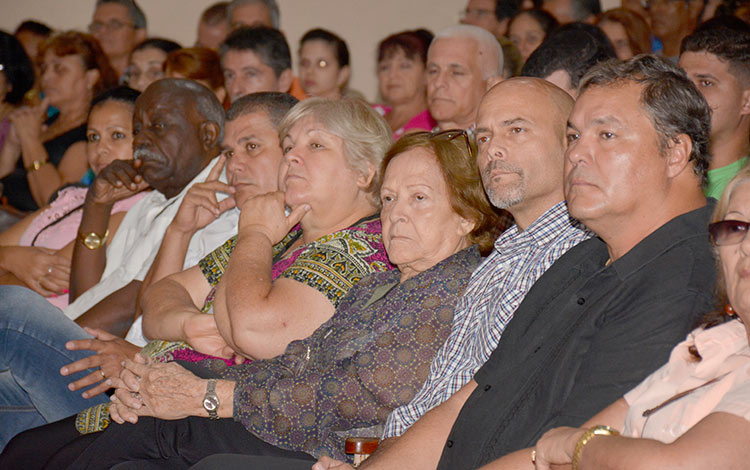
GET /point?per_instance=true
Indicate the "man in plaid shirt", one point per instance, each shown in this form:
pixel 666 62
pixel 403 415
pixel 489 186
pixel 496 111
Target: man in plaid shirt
pixel 521 162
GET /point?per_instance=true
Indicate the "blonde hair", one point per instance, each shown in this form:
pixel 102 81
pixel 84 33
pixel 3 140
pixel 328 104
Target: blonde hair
pixel 365 133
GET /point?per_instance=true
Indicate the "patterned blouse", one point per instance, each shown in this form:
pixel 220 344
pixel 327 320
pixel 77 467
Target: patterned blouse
pixel 372 356
pixel 332 264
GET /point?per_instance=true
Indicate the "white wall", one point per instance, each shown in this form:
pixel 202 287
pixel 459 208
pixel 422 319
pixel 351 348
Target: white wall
pixel 362 23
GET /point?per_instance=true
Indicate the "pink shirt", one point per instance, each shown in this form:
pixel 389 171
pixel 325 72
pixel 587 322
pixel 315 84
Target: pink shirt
pixel 420 122
pixel 726 356
pixel 65 231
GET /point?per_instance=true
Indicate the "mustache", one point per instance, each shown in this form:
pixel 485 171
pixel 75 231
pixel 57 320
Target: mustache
pixel 139 153
pixel 501 165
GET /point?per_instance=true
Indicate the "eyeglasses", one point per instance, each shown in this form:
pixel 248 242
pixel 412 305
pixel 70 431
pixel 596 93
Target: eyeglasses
pixel 111 25
pixel 728 232
pixel 450 134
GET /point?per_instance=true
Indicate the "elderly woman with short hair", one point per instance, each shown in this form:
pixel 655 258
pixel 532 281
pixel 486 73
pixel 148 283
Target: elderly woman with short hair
pixel 370 357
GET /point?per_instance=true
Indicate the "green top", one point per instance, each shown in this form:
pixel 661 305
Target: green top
pixel 719 177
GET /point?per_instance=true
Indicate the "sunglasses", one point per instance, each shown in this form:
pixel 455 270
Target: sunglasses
pixel 728 232
pixel 450 134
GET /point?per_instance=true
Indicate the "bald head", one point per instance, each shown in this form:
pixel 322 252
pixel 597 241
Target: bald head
pixel 520 133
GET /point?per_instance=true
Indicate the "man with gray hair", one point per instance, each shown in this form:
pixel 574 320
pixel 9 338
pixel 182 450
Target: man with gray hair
pixel 461 62
pixel 118 25
pixel 253 13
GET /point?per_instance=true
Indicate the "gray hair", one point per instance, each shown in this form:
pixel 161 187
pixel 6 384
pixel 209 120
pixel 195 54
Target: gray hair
pixel 204 100
pixel 273 9
pixel 365 133
pixel 673 103
pixel 134 11
pixel 490 54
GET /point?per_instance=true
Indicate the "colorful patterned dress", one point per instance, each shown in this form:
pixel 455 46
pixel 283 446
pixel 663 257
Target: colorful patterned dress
pixel 332 264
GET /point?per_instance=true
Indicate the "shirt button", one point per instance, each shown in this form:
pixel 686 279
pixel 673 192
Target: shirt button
pixel 449 443
pixel 581 301
pixel 487 387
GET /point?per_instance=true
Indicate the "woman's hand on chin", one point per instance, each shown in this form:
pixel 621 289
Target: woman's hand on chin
pixel 265 214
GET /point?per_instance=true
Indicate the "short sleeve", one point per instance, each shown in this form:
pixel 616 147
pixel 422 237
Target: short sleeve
pixel 335 265
pixel 213 264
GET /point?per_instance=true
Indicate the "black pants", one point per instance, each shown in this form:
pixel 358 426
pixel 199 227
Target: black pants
pixel 151 443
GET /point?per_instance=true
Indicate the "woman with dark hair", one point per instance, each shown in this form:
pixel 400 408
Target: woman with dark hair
pixel 36 251
pixel 528 29
pixel 39 155
pixel 628 32
pixel 323 64
pixel 402 58
pixel 147 62
pixel 16 78
pixel 200 64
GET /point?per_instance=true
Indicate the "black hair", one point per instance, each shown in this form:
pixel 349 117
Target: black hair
pixel 16 66
pixel 34 27
pixel 726 37
pixel 546 21
pixel 122 93
pixel 273 103
pixel 673 103
pixel 268 43
pixel 507 8
pixel 318 34
pixel 166 45
pixel 573 48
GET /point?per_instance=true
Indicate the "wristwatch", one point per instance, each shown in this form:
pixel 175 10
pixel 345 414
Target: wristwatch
pixel 92 240
pixel 211 400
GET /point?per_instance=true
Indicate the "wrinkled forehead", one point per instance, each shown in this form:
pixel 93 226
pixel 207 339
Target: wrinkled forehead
pixel 162 98
pixel 457 50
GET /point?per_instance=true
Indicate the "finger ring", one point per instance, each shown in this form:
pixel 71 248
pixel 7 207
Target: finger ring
pixel 533 456
pixel 102 372
pixel 49 270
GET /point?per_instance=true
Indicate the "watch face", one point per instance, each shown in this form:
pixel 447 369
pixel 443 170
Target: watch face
pixel 210 403
pixel 92 241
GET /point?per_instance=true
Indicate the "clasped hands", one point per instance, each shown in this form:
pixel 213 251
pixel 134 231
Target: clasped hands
pixel 161 390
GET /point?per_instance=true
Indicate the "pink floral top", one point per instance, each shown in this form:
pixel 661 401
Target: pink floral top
pixel 57 225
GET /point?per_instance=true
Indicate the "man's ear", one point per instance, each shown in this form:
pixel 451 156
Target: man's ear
pixel 285 81
pixel 343 76
pixel 209 134
pixel 678 155
pixel 745 108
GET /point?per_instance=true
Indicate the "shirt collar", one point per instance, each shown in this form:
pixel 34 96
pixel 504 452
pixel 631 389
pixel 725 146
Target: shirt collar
pixel 542 231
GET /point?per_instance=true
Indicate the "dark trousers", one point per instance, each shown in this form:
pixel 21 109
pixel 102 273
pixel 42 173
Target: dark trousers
pixel 151 443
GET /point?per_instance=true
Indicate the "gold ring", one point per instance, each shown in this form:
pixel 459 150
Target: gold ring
pixel 533 456
pixel 102 372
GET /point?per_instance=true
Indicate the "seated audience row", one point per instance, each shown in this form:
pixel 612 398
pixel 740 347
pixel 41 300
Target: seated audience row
pixel 267 318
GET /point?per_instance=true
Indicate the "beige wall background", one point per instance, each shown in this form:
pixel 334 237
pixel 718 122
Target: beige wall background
pixel 362 23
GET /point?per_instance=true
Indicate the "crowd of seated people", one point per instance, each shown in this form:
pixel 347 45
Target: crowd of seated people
pixel 211 259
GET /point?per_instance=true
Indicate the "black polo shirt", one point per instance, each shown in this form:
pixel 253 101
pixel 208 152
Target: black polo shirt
pixel 584 335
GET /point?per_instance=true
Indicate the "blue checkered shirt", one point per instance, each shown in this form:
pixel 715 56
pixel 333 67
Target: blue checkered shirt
pixel 494 292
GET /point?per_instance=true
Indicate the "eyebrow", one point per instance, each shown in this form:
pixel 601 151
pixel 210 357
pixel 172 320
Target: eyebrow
pixel 518 120
pixel 705 75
